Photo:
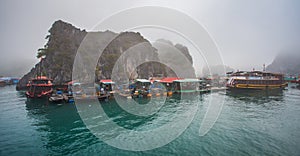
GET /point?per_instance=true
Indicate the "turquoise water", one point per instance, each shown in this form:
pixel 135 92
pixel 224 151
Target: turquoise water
pixel 249 124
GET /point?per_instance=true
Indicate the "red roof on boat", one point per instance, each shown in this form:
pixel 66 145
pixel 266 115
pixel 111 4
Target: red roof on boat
pixel 71 82
pixel 105 81
pixel 169 79
pixel 41 78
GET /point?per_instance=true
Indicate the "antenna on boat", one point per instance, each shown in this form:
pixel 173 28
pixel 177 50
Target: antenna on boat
pixel 40 68
pixel 264 67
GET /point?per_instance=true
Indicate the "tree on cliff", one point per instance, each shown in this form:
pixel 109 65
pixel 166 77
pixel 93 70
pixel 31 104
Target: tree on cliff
pixel 64 40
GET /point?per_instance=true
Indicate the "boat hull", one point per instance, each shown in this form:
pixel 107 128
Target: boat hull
pixel 257 87
pixel 33 95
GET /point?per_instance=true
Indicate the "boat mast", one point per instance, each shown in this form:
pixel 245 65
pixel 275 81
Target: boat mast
pixel 40 72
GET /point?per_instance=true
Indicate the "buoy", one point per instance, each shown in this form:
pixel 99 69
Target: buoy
pixel 149 95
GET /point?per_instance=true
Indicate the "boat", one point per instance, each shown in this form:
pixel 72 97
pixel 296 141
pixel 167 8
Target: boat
pixel 296 80
pixel 75 88
pixel 187 86
pixel 157 89
pixel 10 80
pixel 141 88
pixel 59 97
pixel 105 90
pixel 2 83
pixel 167 82
pixel 39 87
pixel 255 80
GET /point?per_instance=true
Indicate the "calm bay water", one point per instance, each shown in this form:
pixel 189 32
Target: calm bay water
pixel 249 124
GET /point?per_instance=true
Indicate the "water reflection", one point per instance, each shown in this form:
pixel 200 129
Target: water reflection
pixel 60 127
pixel 62 131
pixel 21 94
pixel 256 104
pixel 257 96
pixel 270 127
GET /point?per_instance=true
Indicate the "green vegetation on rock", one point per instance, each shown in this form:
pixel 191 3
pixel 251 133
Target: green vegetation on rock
pixel 64 40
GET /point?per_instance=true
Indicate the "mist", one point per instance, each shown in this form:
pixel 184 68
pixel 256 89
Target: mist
pixel 248 33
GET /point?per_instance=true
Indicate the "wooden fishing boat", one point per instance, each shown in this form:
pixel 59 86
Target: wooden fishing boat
pixel 39 87
pixel 9 80
pixel 168 83
pixel 141 88
pixel 187 85
pixel 256 80
pixel 106 89
pixel 2 83
pixel 296 80
pixel 58 97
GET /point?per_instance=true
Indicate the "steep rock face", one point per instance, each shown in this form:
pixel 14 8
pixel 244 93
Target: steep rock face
pixel 122 43
pixel 175 56
pixel 286 63
pixel 64 40
pixel 183 49
pixel 59 52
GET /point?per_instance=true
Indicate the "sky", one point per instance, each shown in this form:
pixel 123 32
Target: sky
pixel 248 33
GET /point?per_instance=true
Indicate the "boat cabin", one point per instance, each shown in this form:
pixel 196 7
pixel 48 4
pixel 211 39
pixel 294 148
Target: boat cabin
pixel 187 85
pixel 40 86
pixel 107 85
pixel 256 80
pixel 142 84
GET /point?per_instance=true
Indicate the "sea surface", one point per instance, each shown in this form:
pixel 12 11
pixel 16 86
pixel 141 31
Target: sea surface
pixel 250 123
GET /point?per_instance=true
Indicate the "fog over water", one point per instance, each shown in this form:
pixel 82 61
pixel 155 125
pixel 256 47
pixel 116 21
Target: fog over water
pixel 248 33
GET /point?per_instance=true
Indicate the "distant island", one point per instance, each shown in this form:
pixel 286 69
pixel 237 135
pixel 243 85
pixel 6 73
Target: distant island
pixel 64 40
pixel 286 63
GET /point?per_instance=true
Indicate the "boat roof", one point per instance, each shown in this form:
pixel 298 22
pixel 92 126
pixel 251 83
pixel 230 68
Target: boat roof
pixel 253 72
pixel 107 81
pixel 169 79
pixel 188 80
pixel 76 83
pixel 5 78
pixel 71 82
pixel 142 80
pixel 8 78
pixel 155 79
pixel 41 78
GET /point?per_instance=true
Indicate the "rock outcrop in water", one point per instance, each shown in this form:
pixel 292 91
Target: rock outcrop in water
pixel 64 40
pixel 59 52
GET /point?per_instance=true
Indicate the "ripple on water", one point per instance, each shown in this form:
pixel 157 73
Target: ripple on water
pixel 249 124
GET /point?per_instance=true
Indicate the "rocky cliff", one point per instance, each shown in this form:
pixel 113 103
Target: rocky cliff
pixel 59 52
pixel 286 63
pixel 64 40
